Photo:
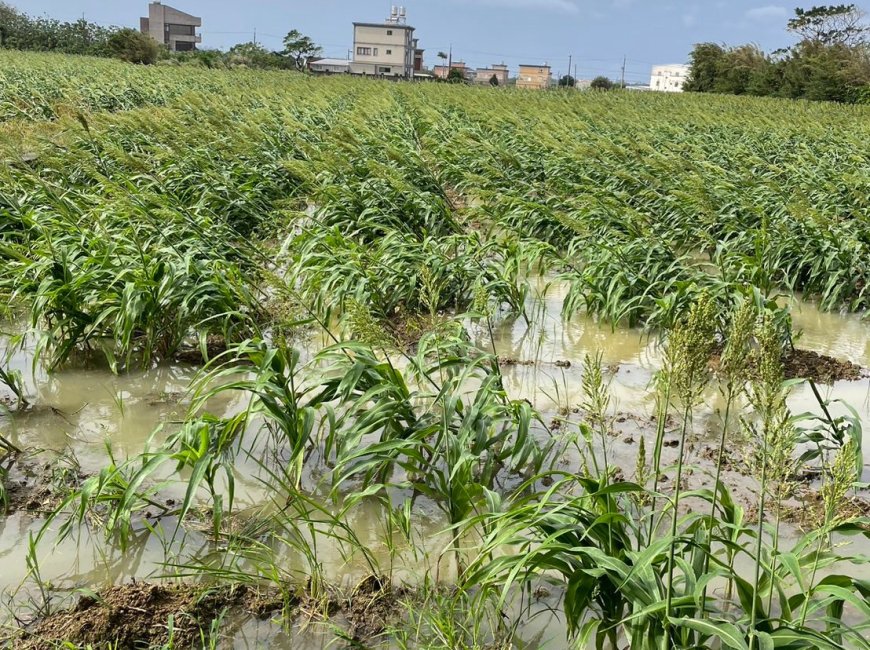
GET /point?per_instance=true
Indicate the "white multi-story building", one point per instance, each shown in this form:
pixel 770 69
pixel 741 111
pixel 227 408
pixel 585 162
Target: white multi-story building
pixel 384 49
pixel 669 78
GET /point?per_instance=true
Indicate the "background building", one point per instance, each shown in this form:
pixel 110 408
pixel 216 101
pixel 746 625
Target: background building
pixel 174 28
pixel 385 49
pixel 534 77
pixel 669 78
pixel 329 66
pixel 484 76
pixel 441 71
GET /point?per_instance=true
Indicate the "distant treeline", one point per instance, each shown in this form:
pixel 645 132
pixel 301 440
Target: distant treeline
pixel 831 61
pixel 20 31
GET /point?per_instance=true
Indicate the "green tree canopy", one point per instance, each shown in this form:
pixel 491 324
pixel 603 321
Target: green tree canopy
pixel 830 25
pixel 831 61
pixel 455 76
pixel 300 48
pixel 133 46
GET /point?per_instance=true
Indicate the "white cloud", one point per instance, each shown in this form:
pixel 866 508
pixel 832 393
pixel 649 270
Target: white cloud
pixel 769 12
pixel 564 6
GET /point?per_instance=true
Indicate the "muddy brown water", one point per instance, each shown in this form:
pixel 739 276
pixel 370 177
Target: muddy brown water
pixel 79 412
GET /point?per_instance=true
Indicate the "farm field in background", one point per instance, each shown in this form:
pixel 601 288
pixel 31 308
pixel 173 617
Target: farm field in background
pixel 308 362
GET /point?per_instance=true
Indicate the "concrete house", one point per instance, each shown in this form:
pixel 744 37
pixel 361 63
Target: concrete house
pixel 385 49
pixel 669 78
pixel 483 76
pixel 329 66
pixel 442 71
pixel 534 77
pixel 171 27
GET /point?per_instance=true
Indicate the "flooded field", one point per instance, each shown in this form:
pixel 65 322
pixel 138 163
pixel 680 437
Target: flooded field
pixel 337 363
pixel 77 418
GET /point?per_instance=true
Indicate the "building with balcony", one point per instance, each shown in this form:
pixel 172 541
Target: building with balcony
pixel 171 27
pixel 669 78
pixel 534 77
pixel 385 49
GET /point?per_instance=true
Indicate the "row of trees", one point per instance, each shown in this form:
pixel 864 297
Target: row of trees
pixel 830 62
pixel 23 32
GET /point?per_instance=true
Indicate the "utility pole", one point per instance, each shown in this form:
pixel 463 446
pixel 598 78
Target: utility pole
pixel 255 35
pixel 623 71
pixel 570 59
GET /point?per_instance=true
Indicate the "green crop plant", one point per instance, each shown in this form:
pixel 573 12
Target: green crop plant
pixel 405 231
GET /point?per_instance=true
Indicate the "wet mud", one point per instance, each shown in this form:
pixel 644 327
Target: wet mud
pixel 140 614
pixel 38 488
pixel 806 364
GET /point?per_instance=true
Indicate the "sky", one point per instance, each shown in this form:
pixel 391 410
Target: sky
pixel 597 34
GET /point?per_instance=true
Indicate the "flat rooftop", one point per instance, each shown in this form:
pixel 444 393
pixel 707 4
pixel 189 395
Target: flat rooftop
pixel 389 25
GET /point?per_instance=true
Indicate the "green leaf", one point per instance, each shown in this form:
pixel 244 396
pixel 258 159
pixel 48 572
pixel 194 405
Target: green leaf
pixel 727 633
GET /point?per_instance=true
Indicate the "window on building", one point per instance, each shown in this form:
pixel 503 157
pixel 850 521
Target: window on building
pixel 389 51
pixel 389 32
pixel 375 53
pixel 365 51
pixel 383 70
pixel 185 30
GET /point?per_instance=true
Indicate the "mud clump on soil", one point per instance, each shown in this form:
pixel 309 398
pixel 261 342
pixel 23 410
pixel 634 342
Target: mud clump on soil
pixel 810 513
pixel 371 607
pixel 137 615
pixel 806 364
pixel 39 488
pixel 510 361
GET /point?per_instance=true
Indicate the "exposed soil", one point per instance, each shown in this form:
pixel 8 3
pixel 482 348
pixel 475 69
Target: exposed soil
pixel 39 488
pixel 810 513
pixel 137 615
pixel 806 364
pixel 372 606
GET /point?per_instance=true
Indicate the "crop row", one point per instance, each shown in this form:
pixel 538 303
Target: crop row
pixel 394 219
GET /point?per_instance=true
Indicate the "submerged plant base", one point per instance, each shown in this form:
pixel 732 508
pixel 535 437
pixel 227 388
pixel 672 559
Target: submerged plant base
pixel 193 355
